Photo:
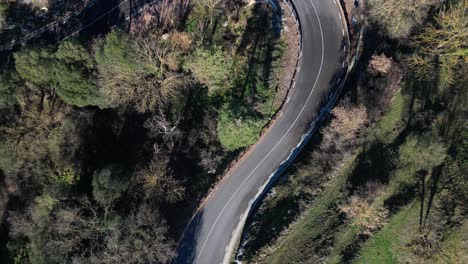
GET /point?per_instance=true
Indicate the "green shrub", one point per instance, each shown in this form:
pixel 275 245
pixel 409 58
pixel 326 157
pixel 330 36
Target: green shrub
pixel 211 67
pixel 69 71
pixel 73 70
pixel 237 131
pixel 117 55
pixel 108 185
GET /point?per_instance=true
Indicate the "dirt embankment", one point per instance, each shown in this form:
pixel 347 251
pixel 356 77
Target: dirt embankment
pixel 289 36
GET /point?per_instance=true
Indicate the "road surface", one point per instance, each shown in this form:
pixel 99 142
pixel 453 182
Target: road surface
pixel 214 230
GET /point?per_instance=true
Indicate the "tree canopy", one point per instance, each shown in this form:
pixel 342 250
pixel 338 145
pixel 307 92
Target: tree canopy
pixel 422 153
pixel 74 73
pixel 108 185
pixel 69 71
pixel 211 67
pixel 400 17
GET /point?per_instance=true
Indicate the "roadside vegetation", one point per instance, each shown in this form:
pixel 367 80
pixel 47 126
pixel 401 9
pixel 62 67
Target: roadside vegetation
pixel 109 141
pixel 395 192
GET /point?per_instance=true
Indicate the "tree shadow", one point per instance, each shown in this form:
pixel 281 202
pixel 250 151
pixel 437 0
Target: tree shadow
pixel 187 246
pixel 433 189
pixel 259 42
pixel 4 230
pixel 406 193
pixel 269 225
pixel 112 138
pixel 98 19
pixel 20 18
pixel 197 136
pixel 375 164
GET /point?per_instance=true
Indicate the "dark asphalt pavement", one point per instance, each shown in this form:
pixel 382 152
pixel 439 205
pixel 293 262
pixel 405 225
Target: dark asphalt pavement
pixel 214 230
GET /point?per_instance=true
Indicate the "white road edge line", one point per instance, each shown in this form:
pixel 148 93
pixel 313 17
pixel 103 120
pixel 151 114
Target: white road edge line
pixel 279 142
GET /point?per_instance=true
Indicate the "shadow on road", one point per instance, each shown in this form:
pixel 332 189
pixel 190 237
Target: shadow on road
pixel 186 250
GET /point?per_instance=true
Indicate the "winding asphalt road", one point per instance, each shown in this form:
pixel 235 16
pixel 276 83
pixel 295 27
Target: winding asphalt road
pixel 214 230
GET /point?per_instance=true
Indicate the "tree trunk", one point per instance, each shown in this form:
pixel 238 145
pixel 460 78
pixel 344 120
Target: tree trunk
pixel 422 176
pixel 436 173
pixel 41 102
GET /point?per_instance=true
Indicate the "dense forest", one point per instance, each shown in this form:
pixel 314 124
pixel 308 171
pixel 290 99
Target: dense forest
pixel 385 180
pixel 111 135
pixel 118 117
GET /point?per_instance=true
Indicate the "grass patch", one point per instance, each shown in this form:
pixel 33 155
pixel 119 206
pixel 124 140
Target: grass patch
pixel 392 243
pixel 313 233
pixel 455 247
pixel 235 132
pixel 322 233
pixel 388 245
pixel 389 127
pixel 345 239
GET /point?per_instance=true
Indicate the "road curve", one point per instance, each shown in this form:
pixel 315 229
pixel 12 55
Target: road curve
pixel 212 233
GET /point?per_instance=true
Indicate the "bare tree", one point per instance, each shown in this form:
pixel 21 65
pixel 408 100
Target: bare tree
pixel 158 182
pixel 159 125
pixel 398 18
pixel 343 129
pixel 166 15
pixel 380 64
pixel 365 214
pixel 142 239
